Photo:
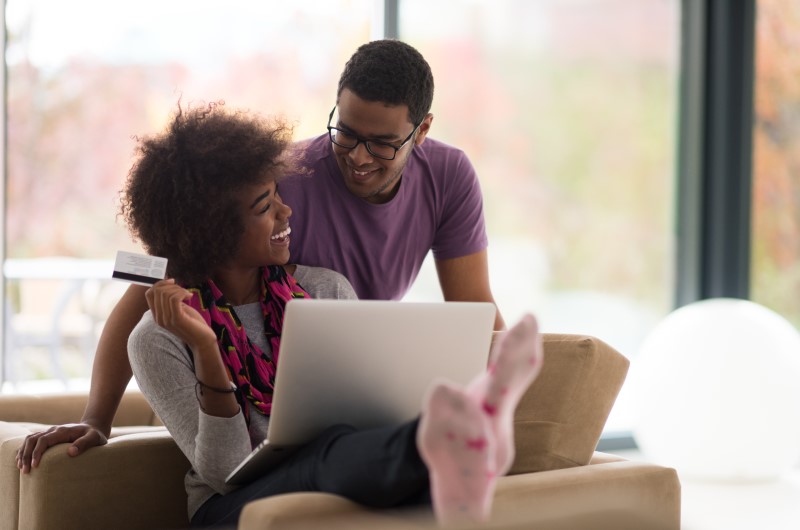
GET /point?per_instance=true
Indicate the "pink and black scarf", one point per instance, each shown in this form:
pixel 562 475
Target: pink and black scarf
pixel 249 368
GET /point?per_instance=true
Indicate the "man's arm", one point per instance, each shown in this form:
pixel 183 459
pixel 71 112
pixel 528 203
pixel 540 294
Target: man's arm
pixel 112 371
pixel 110 376
pixel 466 279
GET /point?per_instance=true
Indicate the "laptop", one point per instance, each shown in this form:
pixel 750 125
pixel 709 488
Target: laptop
pixel 366 363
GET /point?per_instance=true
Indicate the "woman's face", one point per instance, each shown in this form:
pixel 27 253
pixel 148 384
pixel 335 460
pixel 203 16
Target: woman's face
pixel 266 227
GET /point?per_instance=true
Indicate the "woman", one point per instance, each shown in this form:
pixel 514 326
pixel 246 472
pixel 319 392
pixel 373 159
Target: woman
pixel 205 195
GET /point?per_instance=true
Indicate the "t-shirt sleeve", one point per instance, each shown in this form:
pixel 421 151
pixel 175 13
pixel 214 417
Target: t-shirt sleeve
pixel 461 228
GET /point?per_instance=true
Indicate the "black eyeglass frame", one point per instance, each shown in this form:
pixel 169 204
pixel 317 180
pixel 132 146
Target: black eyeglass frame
pixel 360 140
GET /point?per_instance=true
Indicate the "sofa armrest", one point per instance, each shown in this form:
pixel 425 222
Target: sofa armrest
pixel 11 436
pixel 135 481
pixel 559 420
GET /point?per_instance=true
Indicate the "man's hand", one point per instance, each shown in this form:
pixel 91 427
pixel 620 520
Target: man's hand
pixel 82 435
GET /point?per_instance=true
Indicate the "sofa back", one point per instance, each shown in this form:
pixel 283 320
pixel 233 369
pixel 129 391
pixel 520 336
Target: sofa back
pixel 54 409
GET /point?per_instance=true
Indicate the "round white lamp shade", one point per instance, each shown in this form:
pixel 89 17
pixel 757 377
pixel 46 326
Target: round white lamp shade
pixel 717 391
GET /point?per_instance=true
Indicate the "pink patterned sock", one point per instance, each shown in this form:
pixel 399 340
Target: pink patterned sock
pixel 456 442
pixel 514 363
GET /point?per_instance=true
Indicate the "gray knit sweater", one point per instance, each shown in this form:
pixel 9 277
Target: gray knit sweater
pixel 164 372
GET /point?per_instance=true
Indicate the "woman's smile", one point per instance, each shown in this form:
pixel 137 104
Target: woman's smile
pixel 281 238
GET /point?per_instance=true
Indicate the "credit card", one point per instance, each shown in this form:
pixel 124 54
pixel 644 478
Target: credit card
pixel 139 268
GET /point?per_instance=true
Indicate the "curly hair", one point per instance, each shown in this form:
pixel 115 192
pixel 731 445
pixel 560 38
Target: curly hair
pixel 393 72
pixel 182 195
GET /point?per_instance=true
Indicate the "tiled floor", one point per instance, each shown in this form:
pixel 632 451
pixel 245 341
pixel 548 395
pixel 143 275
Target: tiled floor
pixel 773 505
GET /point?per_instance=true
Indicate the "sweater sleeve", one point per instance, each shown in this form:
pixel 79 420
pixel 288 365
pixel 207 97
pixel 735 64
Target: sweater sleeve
pixel 320 282
pixel 164 371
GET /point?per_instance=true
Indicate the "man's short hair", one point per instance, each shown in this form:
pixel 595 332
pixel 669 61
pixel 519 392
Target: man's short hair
pixel 392 72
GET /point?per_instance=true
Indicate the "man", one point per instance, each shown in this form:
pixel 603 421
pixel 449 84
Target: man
pixel 379 195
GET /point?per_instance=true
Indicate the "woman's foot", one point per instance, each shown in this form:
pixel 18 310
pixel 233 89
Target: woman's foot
pixel 456 442
pixel 466 437
pixel 514 363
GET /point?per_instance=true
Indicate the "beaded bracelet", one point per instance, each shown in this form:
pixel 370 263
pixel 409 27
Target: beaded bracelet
pixel 198 391
pixel 228 390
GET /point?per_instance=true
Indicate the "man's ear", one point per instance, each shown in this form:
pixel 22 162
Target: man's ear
pixel 424 127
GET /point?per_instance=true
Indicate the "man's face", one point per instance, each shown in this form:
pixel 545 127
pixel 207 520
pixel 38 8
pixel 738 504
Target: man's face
pixel 366 176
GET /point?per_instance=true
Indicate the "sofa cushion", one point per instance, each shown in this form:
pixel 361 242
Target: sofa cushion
pixel 561 417
pixel 613 494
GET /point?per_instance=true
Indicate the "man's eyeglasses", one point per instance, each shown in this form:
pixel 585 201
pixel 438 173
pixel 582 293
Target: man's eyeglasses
pixel 376 148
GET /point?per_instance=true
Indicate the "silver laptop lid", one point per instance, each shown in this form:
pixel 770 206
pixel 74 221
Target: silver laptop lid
pixel 368 363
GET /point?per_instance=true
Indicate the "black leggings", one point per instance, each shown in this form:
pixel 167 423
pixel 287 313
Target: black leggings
pixel 379 468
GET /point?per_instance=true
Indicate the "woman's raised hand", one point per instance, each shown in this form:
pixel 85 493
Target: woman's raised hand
pixel 165 299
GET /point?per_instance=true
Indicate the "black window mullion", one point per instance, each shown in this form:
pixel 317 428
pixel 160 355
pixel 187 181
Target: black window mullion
pixel 391 19
pixel 715 149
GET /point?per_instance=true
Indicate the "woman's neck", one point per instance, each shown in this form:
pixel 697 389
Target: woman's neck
pixel 239 286
pixel 243 286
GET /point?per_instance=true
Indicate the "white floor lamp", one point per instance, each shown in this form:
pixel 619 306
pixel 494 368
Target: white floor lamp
pixel 717 385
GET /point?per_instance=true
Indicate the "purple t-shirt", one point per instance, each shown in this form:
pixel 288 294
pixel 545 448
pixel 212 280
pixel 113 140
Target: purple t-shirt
pixel 380 247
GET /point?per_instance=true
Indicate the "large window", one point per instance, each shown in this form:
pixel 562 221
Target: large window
pixel 84 77
pixel 568 110
pixel 775 265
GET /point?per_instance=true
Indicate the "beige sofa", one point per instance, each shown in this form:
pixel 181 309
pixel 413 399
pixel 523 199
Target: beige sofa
pixel 557 481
